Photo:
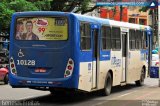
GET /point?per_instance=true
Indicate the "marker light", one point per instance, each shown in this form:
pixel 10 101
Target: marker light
pixel 70 62
pixel 13 70
pixel 11 60
pixel 12 67
pixel 69 68
pixel 67 72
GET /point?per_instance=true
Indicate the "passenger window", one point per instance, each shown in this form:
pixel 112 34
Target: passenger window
pixel 85 32
pixel 132 39
pixel 106 37
pixel 139 35
pixel 143 40
pixel 115 38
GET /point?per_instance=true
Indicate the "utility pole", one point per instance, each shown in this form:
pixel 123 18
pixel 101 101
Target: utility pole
pixel 121 12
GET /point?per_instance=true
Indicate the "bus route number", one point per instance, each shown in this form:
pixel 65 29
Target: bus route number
pixel 60 22
pixel 26 62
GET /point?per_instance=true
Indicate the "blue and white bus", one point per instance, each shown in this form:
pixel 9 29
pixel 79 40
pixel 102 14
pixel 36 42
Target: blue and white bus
pixel 57 50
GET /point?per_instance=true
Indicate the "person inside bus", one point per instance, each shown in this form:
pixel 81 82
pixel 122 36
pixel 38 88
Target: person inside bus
pixel 19 30
pixel 29 35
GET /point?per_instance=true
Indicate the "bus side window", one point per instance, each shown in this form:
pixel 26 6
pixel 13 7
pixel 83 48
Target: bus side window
pixel 106 37
pixel 136 35
pixel 115 38
pixel 144 41
pixel 138 39
pixel 132 39
pixel 85 33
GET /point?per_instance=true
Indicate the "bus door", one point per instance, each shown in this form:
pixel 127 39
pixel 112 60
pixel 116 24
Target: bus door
pixel 95 32
pixel 124 55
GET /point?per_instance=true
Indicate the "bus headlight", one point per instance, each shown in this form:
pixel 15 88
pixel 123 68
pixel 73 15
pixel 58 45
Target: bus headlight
pixel 69 68
pixel 12 67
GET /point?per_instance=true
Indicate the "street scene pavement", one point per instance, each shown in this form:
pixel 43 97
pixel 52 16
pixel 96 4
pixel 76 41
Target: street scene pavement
pixel 129 95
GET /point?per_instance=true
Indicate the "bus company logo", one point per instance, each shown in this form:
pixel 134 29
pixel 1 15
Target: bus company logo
pixel 41 22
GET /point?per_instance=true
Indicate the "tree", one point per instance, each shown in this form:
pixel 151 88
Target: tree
pixel 5 15
pixel 69 5
pixel 8 7
pixel 154 15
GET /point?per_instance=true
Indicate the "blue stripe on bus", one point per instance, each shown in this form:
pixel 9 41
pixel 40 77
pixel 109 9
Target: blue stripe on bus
pixel 86 56
pixel 105 55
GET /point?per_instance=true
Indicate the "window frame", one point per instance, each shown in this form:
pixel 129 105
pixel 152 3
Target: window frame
pixel 120 39
pixel 138 40
pixel 106 38
pixel 131 40
pixel 83 22
pixel 144 40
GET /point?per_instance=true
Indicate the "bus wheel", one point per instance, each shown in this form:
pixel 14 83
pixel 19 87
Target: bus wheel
pixel 6 79
pixel 141 81
pixel 108 85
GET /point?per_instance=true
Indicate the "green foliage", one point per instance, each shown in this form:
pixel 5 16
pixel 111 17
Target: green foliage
pixel 144 9
pixel 43 5
pixel 22 5
pixel 8 7
pixel 84 5
pixel 5 15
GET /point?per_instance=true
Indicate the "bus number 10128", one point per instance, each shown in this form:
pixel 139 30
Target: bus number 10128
pixel 26 62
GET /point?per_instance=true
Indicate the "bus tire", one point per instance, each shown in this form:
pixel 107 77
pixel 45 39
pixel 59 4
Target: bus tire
pixel 142 77
pixel 107 85
pixel 6 79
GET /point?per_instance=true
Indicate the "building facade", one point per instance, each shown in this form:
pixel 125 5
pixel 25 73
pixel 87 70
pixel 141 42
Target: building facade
pixel 129 14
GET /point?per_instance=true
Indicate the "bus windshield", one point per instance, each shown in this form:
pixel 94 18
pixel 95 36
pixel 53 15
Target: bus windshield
pixel 41 28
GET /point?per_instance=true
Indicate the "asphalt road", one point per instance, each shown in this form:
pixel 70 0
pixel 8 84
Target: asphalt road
pixel 129 95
